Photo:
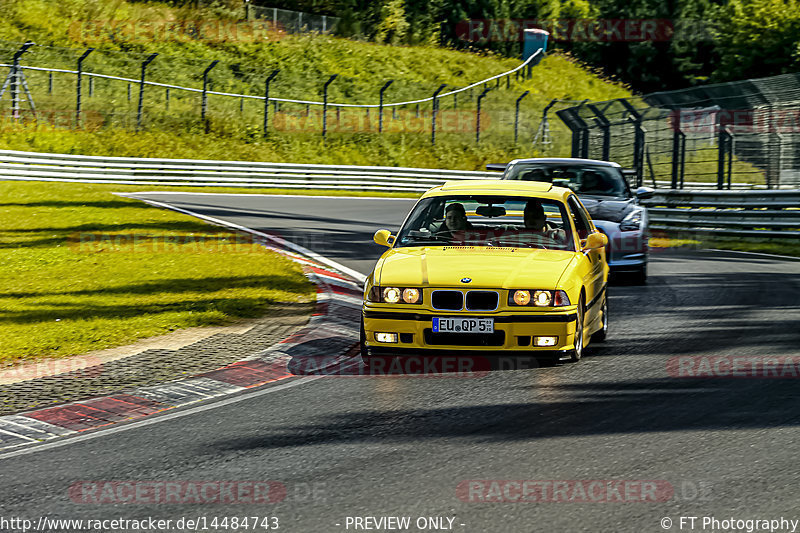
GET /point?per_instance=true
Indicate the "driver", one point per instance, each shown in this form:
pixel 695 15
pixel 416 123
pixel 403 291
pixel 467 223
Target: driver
pixel 455 218
pixel 455 222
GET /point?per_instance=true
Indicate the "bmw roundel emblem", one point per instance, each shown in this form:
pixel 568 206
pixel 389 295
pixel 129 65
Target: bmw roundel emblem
pixel 466 280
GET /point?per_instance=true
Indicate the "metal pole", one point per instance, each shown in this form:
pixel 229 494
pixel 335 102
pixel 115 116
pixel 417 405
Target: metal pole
pixel 478 119
pixel 204 101
pixel 455 100
pixel 146 62
pixel 247 10
pixel 325 105
pixel 15 73
pixel 79 86
pixel 380 105
pixel 266 99
pixel 50 83
pixel 721 141
pixel 603 123
pixel 91 86
pixel 435 108
pixel 516 115
pixel 166 100
pixel 638 139
pixel 676 147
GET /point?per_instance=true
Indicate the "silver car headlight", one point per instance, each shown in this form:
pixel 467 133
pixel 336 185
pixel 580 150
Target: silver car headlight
pixel 632 222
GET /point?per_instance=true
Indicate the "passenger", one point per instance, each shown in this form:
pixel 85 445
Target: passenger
pixel 535 220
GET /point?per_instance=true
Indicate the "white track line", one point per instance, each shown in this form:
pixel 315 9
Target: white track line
pixel 156 419
pixel 407 199
pixel 358 276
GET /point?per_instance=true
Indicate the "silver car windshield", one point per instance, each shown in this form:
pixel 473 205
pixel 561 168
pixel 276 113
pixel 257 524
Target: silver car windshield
pixel 481 220
pixel 592 180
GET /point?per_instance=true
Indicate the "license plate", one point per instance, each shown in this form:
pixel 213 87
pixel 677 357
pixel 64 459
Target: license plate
pixel 463 325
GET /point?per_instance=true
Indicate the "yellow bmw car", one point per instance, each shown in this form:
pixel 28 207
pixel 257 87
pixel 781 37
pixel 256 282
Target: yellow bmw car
pixel 489 267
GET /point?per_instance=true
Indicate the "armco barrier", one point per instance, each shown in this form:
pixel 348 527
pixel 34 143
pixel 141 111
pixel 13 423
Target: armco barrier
pixel 759 213
pixel 31 166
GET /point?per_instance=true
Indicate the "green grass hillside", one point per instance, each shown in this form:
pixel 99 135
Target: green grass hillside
pixel 63 29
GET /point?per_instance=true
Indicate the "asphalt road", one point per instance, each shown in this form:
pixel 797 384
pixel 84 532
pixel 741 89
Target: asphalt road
pixel 400 446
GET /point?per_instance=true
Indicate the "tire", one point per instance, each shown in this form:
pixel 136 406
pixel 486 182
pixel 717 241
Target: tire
pixel 600 335
pixel 577 351
pixel 640 276
pixel 362 342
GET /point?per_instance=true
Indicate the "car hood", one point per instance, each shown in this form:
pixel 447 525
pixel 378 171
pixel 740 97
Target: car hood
pixel 487 267
pixel 612 210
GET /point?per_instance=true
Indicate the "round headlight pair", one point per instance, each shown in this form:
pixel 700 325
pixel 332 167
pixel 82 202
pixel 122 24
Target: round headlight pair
pixel 392 295
pixel 540 298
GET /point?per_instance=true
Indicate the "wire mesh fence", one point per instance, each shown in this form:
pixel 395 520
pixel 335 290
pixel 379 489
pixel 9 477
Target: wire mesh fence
pixel 100 88
pixel 729 133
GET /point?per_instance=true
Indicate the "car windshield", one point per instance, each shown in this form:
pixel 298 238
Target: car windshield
pixel 481 220
pixel 596 180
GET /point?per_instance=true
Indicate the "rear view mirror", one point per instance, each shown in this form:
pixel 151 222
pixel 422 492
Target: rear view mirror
pixel 383 237
pixel 643 193
pixel 595 240
pixel 490 211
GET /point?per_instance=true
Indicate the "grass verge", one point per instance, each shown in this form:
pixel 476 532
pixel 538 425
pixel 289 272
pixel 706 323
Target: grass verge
pixel 85 270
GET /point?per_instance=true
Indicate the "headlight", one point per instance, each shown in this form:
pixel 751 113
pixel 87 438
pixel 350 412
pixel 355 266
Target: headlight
pixel 632 222
pixel 540 298
pixel 521 297
pixel 410 296
pixel 394 295
pixel 391 295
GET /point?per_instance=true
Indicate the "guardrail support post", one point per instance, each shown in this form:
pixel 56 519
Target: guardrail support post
pixel 146 62
pixel 434 111
pixel 204 101
pixel 516 115
pixel 79 86
pixel 325 105
pixel 380 105
pixel 478 115
pixel 266 100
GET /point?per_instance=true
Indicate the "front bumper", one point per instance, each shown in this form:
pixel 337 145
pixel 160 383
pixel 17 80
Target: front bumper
pixel 627 250
pixel 514 332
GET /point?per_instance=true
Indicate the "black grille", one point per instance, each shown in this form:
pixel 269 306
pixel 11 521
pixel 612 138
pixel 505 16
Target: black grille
pixel 498 338
pixel 482 300
pixel 450 300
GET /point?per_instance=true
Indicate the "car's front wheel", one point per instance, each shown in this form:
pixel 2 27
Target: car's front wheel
pixel 577 350
pixel 640 276
pixel 362 342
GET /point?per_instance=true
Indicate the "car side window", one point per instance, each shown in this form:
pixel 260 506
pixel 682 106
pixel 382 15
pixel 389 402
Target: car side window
pixel 579 216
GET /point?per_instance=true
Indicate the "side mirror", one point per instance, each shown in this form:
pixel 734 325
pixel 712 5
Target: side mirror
pixel 595 240
pixel 643 193
pixel 499 167
pixel 383 237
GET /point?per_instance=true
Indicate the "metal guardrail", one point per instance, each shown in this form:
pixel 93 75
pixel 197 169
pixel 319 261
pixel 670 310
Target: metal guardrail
pixel 32 166
pixel 743 213
pixel 761 214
